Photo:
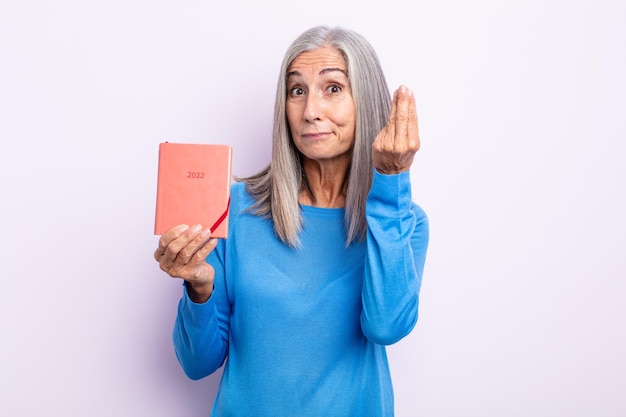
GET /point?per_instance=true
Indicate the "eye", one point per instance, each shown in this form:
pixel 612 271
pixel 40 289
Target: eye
pixel 334 89
pixel 296 91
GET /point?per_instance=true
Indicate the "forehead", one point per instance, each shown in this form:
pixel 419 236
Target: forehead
pixel 318 59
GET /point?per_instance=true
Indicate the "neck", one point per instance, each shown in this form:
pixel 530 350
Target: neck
pixel 326 184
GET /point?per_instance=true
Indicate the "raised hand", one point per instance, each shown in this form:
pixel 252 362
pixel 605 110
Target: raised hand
pixel 398 142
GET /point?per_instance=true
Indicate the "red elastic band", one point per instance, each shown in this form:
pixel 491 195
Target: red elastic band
pixel 222 217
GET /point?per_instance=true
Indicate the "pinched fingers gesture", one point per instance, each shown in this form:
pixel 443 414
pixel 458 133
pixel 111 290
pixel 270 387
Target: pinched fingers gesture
pixel 182 253
pixel 398 142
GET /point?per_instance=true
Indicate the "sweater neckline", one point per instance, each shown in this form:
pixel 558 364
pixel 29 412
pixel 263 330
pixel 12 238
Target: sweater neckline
pixel 323 211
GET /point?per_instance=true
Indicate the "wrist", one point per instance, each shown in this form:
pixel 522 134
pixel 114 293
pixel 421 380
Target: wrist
pixel 199 292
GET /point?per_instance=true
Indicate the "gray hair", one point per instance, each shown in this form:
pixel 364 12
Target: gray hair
pixel 277 187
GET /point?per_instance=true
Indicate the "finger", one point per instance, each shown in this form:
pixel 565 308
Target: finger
pixel 197 267
pixel 174 247
pixel 394 108
pixel 168 237
pixel 188 252
pixel 413 129
pixel 204 251
pixel 402 119
pixel 385 137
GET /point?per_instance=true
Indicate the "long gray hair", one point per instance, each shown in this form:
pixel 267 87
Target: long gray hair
pixel 276 188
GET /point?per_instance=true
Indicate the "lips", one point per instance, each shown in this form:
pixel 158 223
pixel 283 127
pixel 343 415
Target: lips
pixel 315 135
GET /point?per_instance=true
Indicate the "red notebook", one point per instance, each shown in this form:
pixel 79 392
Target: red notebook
pixel 193 187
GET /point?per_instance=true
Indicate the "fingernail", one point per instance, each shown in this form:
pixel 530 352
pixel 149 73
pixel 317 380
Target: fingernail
pixel 403 89
pixel 196 228
pixel 205 233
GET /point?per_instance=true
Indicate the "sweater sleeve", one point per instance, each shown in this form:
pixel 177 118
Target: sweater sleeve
pixel 201 329
pixel 397 239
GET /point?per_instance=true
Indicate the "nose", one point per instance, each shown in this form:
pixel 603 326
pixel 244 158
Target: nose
pixel 313 109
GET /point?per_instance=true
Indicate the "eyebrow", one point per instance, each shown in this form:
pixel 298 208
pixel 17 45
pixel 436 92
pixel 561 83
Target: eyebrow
pixel 322 72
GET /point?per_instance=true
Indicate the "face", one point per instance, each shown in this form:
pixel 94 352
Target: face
pixel 320 108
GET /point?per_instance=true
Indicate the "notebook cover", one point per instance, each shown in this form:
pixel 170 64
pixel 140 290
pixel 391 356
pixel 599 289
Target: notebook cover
pixel 193 187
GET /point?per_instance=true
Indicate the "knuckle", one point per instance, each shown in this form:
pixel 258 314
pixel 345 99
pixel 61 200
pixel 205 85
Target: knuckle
pixel 185 253
pixel 168 253
pixel 199 255
pixel 402 117
pixel 164 267
pixel 176 272
pixel 173 249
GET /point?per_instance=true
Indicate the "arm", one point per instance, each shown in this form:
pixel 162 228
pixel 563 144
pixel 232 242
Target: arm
pixel 397 229
pixel 200 332
pixel 397 239
pixel 201 329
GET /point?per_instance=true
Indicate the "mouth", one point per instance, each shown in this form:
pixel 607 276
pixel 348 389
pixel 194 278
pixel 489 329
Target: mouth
pixel 316 135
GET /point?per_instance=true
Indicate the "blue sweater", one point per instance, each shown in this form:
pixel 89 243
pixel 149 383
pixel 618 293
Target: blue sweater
pixel 303 330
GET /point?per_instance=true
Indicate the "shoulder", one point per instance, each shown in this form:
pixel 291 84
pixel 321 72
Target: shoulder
pixel 240 199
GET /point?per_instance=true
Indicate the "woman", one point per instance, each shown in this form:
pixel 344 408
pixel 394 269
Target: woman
pixel 324 259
